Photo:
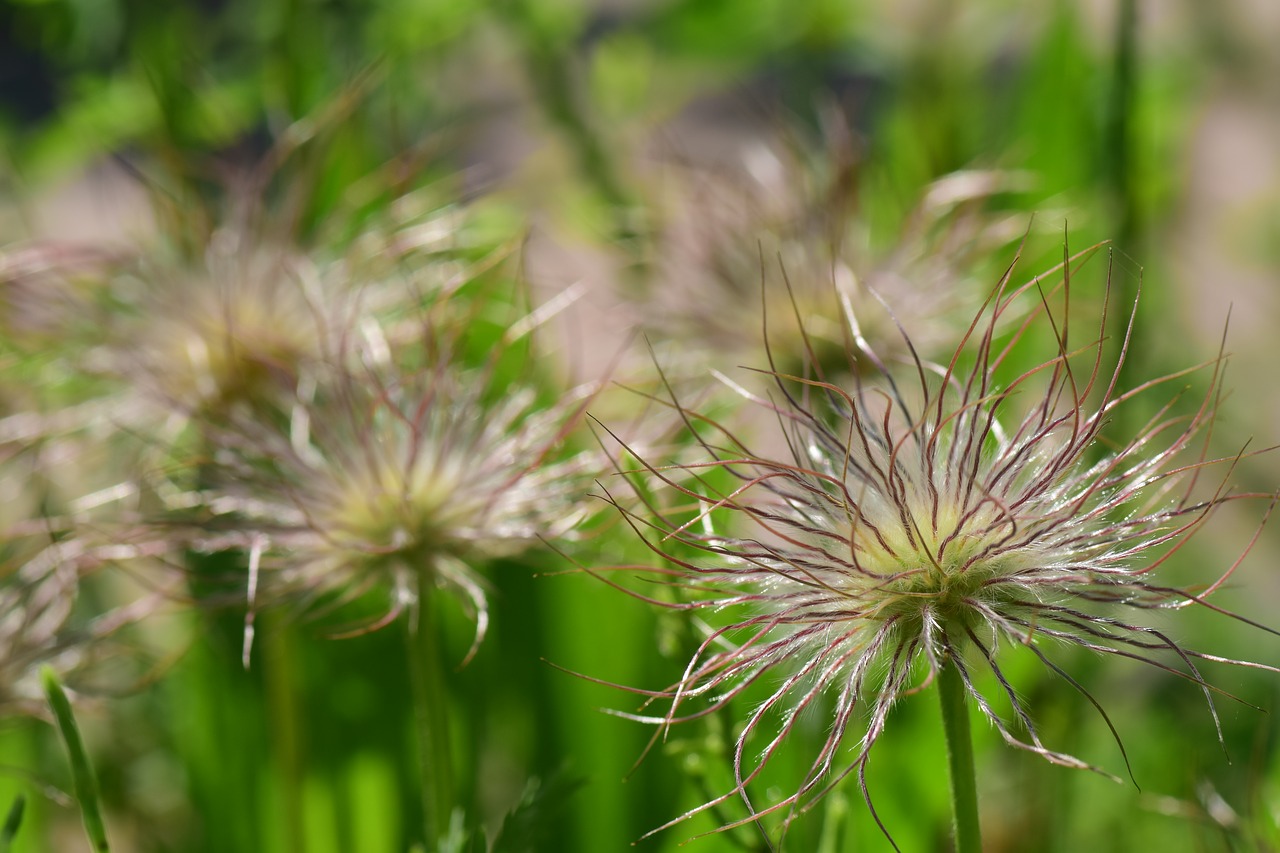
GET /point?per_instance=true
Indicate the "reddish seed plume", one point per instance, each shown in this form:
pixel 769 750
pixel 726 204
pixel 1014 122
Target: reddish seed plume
pixel 930 514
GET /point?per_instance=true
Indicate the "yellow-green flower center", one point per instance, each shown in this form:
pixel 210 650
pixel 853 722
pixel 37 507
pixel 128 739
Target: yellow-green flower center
pixel 385 510
pixel 934 570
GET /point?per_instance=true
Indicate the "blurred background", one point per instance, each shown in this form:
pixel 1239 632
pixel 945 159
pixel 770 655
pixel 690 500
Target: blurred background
pixel 654 157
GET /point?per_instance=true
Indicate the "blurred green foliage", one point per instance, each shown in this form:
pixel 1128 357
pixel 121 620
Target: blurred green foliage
pixel 338 110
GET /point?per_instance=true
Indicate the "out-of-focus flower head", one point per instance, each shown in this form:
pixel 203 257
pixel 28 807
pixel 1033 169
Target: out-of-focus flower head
pixel 242 330
pixel 48 293
pixel 786 235
pixel 36 598
pixel 244 323
pixel 926 518
pixel 403 452
pixel 44 559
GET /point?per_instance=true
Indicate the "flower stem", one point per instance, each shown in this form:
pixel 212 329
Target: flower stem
pixel 285 721
pixel 431 710
pixel 964 786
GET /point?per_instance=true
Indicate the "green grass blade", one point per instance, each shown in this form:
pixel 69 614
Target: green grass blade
pixel 86 785
pixel 12 822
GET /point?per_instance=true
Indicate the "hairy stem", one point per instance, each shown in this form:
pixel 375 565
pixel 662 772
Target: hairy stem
pixel 964 786
pixel 430 710
pixel 285 722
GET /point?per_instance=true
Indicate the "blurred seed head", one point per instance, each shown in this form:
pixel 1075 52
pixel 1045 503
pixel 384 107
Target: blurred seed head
pixel 402 452
pixel 41 623
pixel 44 559
pixel 927 515
pixel 240 306
pixel 787 236
pixel 240 331
pixel 48 292
pixel 35 600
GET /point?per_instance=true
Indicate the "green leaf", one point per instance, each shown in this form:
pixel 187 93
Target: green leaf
pixel 12 822
pixel 85 783
pixel 528 827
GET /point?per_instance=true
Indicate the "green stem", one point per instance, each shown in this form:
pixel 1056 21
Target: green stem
pixel 1119 162
pixel 1122 173
pixel 285 721
pixel 964 785
pixel 430 710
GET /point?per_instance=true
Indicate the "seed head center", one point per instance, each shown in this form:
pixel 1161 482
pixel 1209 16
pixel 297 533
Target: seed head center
pixel 938 571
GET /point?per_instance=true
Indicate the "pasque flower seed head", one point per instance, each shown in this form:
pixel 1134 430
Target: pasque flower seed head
pixel 924 519
pixel 394 459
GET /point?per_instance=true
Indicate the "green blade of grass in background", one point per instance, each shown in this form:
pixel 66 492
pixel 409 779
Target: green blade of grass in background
pixel 11 823
pixel 86 785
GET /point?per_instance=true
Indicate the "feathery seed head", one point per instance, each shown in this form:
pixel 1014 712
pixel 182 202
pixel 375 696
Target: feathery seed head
pixel 47 293
pixel 50 545
pixel 35 601
pixel 240 332
pixel 395 459
pixel 433 471
pixel 823 242
pixel 929 517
